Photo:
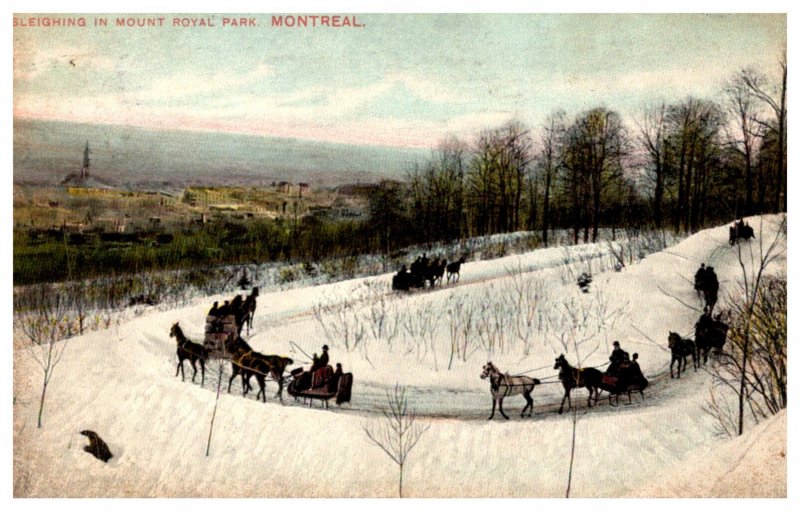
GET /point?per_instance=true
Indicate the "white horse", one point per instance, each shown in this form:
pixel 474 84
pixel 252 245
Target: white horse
pixel 503 385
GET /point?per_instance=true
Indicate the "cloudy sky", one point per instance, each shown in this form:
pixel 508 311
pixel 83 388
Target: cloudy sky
pixel 401 80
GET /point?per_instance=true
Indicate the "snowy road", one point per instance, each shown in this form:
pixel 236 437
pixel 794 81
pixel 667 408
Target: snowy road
pixel 446 403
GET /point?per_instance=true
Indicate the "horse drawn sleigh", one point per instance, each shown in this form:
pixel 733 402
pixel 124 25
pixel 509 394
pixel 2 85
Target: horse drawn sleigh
pixel 739 230
pixel 322 384
pixel 423 272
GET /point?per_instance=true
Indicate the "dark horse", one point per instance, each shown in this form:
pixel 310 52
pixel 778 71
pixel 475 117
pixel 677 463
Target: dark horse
pixel 681 348
pixel 454 270
pixel 503 385
pixel 709 334
pixel 245 314
pixel 248 363
pixel 277 366
pixel 571 377
pixel 187 349
pixel 436 271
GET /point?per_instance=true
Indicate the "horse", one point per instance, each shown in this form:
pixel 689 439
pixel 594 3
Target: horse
pixel 246 312
pixel 238 349
pixel 709 334
pixel 504 385
pixel 247 363
pixel 187 349
pixel 681 348
pixel 436 271
pixel 277 365
pixel 570 377
pixel 454 270
pixel 256 364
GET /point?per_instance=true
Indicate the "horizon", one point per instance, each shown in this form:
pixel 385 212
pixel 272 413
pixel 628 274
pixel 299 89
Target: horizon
pixel 401 81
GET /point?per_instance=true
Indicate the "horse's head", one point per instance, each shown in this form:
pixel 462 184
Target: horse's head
pixel 560 362
pixel 174 330
pixel 488 370
pixel 674 339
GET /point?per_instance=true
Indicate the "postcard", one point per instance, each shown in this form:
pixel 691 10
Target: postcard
pixel 367 255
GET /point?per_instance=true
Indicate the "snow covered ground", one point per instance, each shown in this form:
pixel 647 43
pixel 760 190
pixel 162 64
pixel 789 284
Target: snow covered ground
pixel 519 312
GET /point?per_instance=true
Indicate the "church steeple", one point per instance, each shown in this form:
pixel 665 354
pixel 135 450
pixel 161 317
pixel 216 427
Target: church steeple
pixel 85 169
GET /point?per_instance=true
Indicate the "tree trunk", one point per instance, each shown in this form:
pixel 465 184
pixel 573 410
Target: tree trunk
pixel 41 400
pixel 401 481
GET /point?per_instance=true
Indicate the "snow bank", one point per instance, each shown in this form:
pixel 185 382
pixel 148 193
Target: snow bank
pixel 121 384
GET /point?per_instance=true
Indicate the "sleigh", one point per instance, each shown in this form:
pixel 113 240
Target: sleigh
pixel 220 334
pixel 624 381
pixel 322 384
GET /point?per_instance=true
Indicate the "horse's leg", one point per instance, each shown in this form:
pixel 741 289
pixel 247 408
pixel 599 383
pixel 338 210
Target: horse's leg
pixel 494 402
pixel 528 404
pixel 670 368
pixel 500 405
pixel 202 372
pixel 245 382
pixel 566 397
pixel 262 385
pixel 194 368
pixel 178 368
pixel 233 375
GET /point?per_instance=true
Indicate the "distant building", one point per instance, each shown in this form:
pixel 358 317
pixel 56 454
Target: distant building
pixel 284 187
pixel 85 167
pixel 302 187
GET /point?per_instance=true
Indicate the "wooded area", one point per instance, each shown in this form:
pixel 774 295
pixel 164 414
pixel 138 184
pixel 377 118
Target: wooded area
pixel 681 166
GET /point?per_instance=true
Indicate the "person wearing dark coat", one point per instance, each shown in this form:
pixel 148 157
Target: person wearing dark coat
pixel 318 362
pixel 700 278
pixel 224 310
pixel 712 287
pixel 333 384
pixel 214 309
pixel 634 366
pixel 618 356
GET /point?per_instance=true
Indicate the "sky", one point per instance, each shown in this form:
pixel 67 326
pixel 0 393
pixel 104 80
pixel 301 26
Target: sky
pixel 405 80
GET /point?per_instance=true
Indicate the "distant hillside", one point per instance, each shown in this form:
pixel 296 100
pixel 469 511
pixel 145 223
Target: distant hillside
pixel 47 152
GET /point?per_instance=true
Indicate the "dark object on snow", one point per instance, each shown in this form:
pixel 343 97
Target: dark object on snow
pixel 572 378
pixel 740 229
pixel 626 377
pixel 584 280
pixel 425 272
pixel 323 384
pixel 681 348
pixel 710 334
pixel 97 447
pixel 191 351
pixel 454 270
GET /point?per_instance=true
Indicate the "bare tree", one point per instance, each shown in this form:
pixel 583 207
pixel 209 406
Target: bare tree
pixel 754 370
pixel 548 164
pixel 45 327
pixel 742 106
pixel 400 431
pixel 773 96
pixel 653 137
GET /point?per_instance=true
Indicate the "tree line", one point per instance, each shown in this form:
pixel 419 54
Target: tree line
pixel 681 165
